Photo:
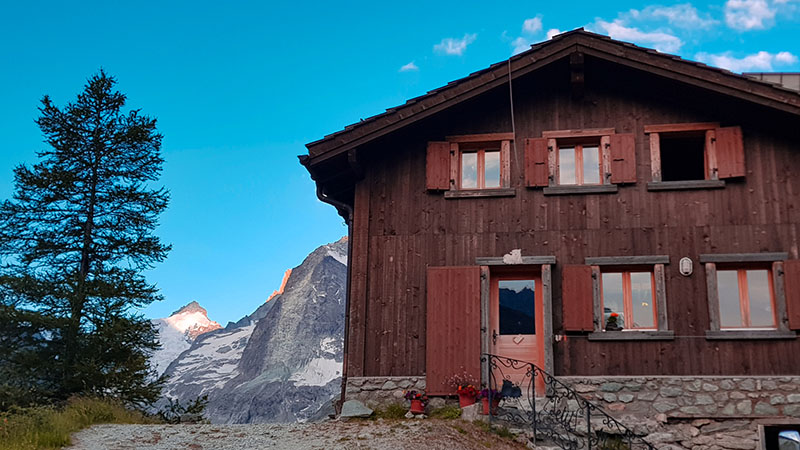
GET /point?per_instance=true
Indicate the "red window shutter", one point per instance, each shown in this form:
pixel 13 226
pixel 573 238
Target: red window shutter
pixel 791 283
pixel 437 166
pixel 730 152
pixel 576 298
pixel 623 158
pixel 453 332
pixel 536 155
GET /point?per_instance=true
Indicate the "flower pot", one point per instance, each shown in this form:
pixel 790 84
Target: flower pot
pixel 465 400
pixel 417 407
pixel 495 404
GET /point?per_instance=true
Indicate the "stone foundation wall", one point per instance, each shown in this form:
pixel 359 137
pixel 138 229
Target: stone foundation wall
pixel 376 391
pixel 693 397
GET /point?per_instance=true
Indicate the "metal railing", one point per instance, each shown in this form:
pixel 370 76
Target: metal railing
pixel 533 399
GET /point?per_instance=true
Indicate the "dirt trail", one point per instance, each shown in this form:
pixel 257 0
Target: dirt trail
pixel 361 434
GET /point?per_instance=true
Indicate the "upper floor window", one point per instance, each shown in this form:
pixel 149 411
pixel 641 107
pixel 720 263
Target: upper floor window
pixel 592 160
pixel 579 164
pixel 480 167
pixel 694 155
pixel 477 165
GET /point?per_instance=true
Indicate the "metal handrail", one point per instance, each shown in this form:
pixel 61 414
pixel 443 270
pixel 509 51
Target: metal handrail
pixel 559 414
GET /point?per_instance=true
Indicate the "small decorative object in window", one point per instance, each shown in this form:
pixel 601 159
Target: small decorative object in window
pixel 685 266
pixel 612 323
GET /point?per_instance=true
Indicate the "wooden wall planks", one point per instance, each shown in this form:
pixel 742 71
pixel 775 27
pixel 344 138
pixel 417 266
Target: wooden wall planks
pixel 410 229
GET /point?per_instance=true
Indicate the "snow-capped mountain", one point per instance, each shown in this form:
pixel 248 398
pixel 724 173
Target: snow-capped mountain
pixel 177 332
pixel 283 362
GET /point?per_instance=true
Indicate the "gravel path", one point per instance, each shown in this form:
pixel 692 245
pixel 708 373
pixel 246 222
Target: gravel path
pixel 360 434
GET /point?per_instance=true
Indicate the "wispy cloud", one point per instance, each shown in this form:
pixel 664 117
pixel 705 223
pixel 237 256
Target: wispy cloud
pixel 530 28
pixel 681 16
pixel 552 32
pixel 660 40
pixel 532 25
pixel 410 67
pixel 764 61
pixel 452 46
pixel 745 15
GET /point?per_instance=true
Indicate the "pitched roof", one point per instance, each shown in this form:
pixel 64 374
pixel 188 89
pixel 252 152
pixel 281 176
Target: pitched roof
pixel 544 53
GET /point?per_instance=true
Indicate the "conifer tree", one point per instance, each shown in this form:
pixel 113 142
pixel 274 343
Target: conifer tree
pixel 74 242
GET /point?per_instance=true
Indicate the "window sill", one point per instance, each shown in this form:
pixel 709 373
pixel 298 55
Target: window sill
pixel 714 335
pixel 632 335
pixel 481 193
pixel 683 185
pixel 579 190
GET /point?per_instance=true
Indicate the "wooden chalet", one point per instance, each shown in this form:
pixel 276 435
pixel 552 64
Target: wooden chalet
pixel 515 210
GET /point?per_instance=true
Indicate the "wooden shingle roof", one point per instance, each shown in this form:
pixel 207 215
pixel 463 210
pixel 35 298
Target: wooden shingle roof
pixel 670 66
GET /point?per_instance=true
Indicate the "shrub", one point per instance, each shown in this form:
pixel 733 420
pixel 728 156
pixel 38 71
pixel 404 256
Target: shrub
pixel 391 411
pixel 49 427
pixel 446 412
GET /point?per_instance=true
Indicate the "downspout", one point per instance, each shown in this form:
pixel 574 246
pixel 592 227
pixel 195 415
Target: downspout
pixel 340 206
pixel 349 220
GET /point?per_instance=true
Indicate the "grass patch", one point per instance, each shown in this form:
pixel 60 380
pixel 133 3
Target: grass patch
pixel 447 412
pixel 503 432
pixel 50 427
pixel 391 411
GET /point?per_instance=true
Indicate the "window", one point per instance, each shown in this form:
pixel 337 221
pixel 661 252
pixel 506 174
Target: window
pixel 631 289
pixel 694 155
pixel 579 164
pixel 480 168
pixel 586 161
pixel 748 294
pixel 746 298
pixel 468 166
pixel 630 295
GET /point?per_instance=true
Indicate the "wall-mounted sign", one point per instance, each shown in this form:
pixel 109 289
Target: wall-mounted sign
pixel 685 266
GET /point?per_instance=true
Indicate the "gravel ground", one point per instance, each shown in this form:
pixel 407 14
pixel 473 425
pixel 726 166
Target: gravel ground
pixel 359 434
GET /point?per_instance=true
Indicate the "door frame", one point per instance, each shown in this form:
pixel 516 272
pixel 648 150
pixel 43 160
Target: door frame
pixel 540 264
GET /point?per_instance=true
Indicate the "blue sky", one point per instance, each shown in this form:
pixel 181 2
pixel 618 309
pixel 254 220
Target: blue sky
pixel 240 87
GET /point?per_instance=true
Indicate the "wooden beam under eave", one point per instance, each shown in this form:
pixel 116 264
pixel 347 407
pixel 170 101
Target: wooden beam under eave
pixel 577 76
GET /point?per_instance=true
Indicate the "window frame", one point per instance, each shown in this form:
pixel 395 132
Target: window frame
pixel 578 158
pixel 773 263
pixel 461 144
pixel 480 152
pixel 744 296
pixel 627 297
pixel 654 264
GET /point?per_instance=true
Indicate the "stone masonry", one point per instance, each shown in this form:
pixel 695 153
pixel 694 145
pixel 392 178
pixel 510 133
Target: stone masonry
pixel 377 391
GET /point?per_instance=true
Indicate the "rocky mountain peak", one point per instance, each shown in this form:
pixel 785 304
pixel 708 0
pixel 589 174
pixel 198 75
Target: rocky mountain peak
pixel 191 307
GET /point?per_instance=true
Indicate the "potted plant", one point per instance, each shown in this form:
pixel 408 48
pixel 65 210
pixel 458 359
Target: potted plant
pixel 495 396
pixel 418 401
pixel 464 385
pixel 467 395
pixel 612 322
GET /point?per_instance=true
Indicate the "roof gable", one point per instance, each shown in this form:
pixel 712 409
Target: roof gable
pixel 543 54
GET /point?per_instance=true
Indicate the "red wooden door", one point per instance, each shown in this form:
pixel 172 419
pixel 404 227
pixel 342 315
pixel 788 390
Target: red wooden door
pixel 516 323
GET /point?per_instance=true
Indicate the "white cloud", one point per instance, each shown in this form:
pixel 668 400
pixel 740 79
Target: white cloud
pixel 520 45
pixel 761 61
pixel 532 25
pixel 451 46
pixel 744 15
pixel 552 32
pixel 660 40
pixel 682 16
pixel 410 67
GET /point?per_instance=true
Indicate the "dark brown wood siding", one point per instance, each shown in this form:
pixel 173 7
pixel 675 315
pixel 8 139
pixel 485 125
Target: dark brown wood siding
pixel 453 344
pixel 411 229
